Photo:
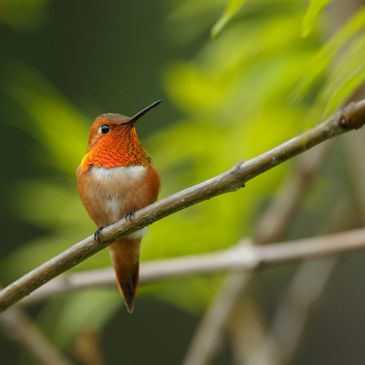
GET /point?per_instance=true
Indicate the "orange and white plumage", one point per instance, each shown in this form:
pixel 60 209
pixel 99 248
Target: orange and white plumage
pixel 116 177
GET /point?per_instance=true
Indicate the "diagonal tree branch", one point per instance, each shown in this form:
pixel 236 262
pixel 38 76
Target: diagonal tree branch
pixel 21 329
pixel 277 344
pixel 270 227
pixel 351 117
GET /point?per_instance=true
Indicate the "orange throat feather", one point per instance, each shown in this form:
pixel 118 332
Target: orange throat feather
pixel 121 148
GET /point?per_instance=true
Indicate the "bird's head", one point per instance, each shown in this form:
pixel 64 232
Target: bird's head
pixel 114 142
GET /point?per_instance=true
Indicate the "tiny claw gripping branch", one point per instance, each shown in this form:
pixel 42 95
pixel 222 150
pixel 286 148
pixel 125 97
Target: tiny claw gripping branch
pixel 98 235
pixel 129 216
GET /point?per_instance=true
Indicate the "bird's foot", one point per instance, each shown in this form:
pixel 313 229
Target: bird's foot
pixel 129 216
pixel 98 235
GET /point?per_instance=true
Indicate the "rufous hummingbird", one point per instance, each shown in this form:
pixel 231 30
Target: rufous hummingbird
pixel 116 178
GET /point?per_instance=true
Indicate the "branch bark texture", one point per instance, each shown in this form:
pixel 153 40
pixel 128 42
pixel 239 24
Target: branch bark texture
pixel 270 227
pixel 243 257
pixel 351 117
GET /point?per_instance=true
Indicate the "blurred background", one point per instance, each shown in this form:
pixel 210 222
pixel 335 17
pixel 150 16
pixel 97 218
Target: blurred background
pixel 236 77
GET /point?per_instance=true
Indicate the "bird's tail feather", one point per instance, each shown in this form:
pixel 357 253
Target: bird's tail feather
pixel 125 259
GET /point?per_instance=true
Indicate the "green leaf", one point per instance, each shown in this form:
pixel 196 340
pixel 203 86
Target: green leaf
pixel 315 8
pixel 232 8
pixel 344 78
pixel 322 59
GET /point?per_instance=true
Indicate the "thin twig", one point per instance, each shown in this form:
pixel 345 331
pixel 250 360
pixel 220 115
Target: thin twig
pixel 87 348
pixel 246 327
pixel 278 345
pixel 208 336
pixel 271 226
pixel 303 292
pixel 351 117
pixel 242 257
pixel 20 328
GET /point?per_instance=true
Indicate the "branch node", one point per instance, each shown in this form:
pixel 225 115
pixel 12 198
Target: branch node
pixel 344 120
pixel 235 173
pixel 352 116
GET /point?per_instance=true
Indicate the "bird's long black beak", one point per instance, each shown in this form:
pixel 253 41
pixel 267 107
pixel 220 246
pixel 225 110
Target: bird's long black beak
pixel 141 113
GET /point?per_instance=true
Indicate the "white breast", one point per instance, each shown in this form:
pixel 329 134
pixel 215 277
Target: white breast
pixel 116 188
pixel 129 173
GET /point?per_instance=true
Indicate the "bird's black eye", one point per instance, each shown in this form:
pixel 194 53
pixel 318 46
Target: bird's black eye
pixel 105 129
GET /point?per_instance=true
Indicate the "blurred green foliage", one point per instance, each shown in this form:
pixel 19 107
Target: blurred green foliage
pixel 23 15
pixel 274 70
pixel 314 10
pixel 232 8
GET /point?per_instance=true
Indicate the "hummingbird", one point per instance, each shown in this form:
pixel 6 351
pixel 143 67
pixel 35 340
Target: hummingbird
pixel 116 178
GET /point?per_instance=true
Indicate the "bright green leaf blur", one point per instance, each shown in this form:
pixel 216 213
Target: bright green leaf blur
pixel 256 85
pixel 315 8
pixel 232 8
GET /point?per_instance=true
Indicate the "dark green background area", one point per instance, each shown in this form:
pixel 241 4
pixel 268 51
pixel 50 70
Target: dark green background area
pixel 102 57
pixel 112 56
